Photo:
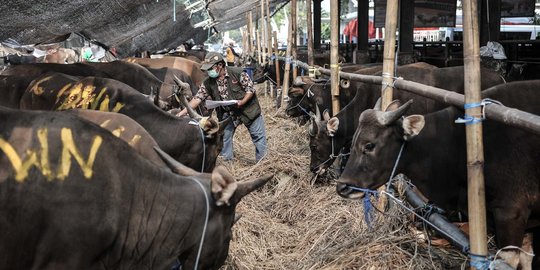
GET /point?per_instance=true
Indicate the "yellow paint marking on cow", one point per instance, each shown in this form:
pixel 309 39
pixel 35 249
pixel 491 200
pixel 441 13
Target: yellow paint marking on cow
pixel 69 149
pixel 37 89
pixel 44 154
pixel 117 132
pixel 117 107
pixel 135 140
pixel 20 167
pixel 61 92
pixel 105 123
pixel 104 106
pixel 95 102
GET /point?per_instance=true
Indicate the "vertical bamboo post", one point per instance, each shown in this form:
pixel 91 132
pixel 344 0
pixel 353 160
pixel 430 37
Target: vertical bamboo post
pixel 475 145
pixel 286 75
pixel 268 43
pixel 311 60
pixel 294 53
pixel 334 55
pixel 389 52
pixel 268 28
pixel 250 33
pixel 278 81
pixel 263 33
pixel 259 56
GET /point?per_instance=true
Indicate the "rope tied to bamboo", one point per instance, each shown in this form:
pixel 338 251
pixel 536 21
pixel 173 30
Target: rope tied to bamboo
pixel 469 119
pixel 394 79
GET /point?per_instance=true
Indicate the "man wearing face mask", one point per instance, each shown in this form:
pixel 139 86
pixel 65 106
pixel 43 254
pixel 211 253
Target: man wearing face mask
pixel 232 83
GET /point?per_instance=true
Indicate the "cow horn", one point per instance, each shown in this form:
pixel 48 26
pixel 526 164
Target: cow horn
pixel 237 217
pixel 224 123
pixel 192 113
pixel 313 127
pixel 246 187
pixel 298 81
pixel 378 105
pixel 185 88
pixel 317 113
pixel 174 165
pixel 387 118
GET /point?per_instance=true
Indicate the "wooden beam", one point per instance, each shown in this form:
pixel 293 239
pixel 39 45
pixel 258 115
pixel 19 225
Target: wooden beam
pixel 334 54
pixel 286 75
pixel 309 23
pixel 475 145
pixel 389 52
pixel 316 24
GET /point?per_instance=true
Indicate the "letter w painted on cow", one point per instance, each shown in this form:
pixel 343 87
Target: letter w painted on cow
pixel 40 159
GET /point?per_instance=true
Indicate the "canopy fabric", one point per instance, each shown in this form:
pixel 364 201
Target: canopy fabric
pixel 129 26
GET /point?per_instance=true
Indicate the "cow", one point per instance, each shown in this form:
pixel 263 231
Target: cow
pixel 131 74
pixel 61 56
pixel 73 196
pixel 434 158
pixel 306 93
pixel 12 89
pixel 193 143
pixel 193 69
pixel 332 137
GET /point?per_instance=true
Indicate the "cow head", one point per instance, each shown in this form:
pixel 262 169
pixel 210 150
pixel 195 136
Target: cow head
pixel 321 138
pixel 375 147
pixel 303 96
pixel 224 193
pixel 261 72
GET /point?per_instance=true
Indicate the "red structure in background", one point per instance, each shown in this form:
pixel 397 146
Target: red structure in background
pixel 351 30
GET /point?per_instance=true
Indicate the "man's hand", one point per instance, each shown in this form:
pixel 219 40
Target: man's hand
pixel 182 113
pixel 241 103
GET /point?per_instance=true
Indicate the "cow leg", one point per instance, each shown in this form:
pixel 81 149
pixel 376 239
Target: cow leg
pixel 510 224
pixel 525 260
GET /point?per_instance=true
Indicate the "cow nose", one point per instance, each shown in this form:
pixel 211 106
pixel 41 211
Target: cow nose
pixel 343 190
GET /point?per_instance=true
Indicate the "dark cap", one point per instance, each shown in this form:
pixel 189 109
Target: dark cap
pixel 211 59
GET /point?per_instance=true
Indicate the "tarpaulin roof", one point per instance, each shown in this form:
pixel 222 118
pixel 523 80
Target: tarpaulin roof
pixel 128 25
pixel 232 14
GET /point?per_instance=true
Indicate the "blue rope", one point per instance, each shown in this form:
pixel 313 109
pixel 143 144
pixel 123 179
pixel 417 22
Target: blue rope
pixel 479 262
pixel 368 206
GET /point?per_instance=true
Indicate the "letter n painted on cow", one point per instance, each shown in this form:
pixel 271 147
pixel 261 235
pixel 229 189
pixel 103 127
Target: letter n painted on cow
pixel 69 149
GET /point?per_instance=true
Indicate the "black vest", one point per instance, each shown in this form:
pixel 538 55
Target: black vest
pixel 249 111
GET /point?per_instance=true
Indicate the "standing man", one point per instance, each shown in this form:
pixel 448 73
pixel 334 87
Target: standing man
pixel 231 55
pixel 232 83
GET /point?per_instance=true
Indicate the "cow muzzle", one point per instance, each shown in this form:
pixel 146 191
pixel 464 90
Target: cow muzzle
pixel 346 191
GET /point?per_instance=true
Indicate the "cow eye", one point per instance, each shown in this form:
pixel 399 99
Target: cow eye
pixel 369 147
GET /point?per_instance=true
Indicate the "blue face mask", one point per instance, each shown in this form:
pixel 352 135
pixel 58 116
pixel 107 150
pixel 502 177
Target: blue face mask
pixel 213 74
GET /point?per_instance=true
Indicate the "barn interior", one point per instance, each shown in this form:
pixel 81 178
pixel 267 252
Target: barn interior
pixel 298 221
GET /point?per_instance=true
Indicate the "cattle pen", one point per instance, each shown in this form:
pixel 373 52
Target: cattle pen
pixel 297 221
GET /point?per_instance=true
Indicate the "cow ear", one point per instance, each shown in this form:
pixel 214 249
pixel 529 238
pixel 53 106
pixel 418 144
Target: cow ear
pixel 209 125
pixel 223 185
pixel 412 125
pixel 332 126
pixel 394 105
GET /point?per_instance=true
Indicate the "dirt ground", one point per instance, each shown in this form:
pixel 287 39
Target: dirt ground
pixel 299 222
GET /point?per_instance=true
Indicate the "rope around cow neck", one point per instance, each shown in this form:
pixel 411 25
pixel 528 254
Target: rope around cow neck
pixel 205 222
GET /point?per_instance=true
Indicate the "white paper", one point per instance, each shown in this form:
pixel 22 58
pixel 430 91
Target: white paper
pixel 210 104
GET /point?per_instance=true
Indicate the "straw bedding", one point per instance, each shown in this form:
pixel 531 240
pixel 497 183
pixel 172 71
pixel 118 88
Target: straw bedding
pixel 299 222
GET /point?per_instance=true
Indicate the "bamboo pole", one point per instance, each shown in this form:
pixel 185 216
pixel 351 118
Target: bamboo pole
pixel 285 89
pixel 268 43
pixel 250 33
pixel 263 33
pixel 294 53
pixel 334 55
pixel 311 60
pixel 278 82
pixel 475 144
pixel 268 29
pixel 389 52
pixel 259 56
